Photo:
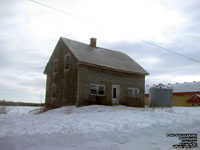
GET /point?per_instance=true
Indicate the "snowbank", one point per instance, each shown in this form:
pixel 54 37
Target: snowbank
pixel 94 118
pixel 97 127
pixel 20 109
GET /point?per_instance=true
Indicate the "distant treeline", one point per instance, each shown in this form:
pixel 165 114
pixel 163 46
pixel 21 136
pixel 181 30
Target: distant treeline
pixel 10 103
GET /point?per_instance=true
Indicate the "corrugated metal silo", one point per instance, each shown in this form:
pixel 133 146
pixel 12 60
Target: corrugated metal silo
pixel 160 96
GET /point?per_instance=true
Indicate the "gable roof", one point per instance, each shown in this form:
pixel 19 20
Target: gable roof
pixel 194 99
pixel 103 57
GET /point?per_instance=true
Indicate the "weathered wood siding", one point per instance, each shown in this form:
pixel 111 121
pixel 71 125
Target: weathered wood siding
pixel 65 81
pixel 89 74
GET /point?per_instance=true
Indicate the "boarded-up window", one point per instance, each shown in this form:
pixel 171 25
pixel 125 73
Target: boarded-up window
pixel 55 65
pixel 53 91
pixel 130 92
pixel 66 62
pixel 133 92
pixel 96 89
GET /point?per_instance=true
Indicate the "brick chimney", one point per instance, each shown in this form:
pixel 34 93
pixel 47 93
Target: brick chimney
pixel 93 42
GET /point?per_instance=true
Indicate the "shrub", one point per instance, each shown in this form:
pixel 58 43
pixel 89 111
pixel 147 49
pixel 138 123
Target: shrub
pixel 68 111
pixel 37 111
pixel 3 110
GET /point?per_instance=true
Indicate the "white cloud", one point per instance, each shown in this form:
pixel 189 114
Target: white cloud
pixel 108 20
pixel 150 60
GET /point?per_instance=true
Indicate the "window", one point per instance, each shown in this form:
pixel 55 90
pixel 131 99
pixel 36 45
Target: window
pixel 198 104
pixel 133 92
pixel 53 91
pixel 96 89
pixel 100 89
pixel 93 89
pixel 66 62
pixel 130 92
pixel 55 65
pixel 192 104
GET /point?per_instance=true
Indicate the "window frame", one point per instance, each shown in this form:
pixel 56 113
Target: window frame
pixel 65 59
pixel 134 95
pixel 53 91
pixel 96 89
pixel 97 93
pixel 55 66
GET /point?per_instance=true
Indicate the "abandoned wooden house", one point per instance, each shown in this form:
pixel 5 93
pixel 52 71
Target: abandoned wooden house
pixel 81 74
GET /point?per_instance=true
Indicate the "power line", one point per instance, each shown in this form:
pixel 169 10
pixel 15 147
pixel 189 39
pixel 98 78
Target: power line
pixel 185 42
pixel 169 50
pixel 65 12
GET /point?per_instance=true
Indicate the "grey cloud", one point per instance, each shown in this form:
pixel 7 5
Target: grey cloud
pixel 169 64
pixel 22 58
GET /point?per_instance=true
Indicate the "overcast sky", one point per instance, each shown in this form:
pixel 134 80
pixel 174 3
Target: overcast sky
pixel 29 32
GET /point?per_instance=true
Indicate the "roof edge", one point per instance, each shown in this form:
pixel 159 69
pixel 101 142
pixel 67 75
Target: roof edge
pixel 112 69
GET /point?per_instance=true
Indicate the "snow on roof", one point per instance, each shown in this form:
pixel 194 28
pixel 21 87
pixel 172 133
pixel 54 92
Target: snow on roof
pixel 103 57
pixel 180 87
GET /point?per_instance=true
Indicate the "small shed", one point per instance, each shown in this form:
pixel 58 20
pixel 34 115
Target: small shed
pixel 194 100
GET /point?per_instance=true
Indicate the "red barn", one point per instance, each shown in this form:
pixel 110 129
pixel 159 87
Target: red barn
pixel 194 100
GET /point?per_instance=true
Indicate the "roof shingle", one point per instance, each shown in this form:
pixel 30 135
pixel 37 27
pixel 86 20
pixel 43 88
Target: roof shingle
pixel 103 57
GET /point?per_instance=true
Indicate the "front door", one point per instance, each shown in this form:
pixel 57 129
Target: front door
pixel 115 94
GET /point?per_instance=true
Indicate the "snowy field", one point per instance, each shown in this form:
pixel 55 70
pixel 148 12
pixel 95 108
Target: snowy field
pixel 97 128
pixel 20 109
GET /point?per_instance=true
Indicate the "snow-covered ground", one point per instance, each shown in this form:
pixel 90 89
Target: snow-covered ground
pixel 97 127
pixel 20 109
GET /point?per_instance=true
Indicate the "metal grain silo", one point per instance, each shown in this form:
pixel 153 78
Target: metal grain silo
pixel 160 96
